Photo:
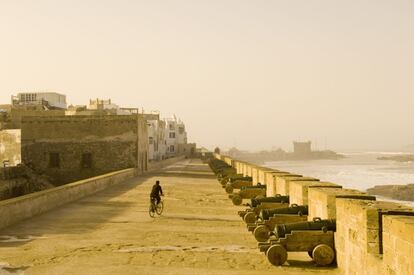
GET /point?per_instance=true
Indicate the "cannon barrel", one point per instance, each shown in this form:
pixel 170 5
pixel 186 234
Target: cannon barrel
pixel 230 178
pixel 253 187
pixel 242 178
pixel 237 184
pixel 278 198
pixel 294 209
pixel 317 224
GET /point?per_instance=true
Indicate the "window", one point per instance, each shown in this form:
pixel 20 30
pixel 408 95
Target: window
pixel 54 160
pixel 86 161
pixel 171 126
pixel 151 140
pixel 171 148
pixel 181 130
pixel 172 134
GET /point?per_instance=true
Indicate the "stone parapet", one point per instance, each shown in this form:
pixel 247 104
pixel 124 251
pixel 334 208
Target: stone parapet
pixel 321 201
pixel 398 244
pixel 358 237
pixel 372 237
pixel 298 190
pixel 282 182
pixel 270 180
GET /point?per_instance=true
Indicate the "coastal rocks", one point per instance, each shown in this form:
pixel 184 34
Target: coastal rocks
pixel 399 158
pixel 397 192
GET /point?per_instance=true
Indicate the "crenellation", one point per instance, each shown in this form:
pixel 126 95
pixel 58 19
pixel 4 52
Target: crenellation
pixel 271 178
pixel 281 182
pixel 358 236
pixel 322 201
pixel 298 190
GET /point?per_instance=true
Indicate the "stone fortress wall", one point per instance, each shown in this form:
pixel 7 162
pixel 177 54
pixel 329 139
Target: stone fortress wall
pixel 70 148
pixel 372 237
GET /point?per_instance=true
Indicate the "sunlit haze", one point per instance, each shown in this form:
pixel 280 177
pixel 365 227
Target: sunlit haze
pixel 250 74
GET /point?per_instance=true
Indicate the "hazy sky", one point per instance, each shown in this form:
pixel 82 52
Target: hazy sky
pixel 254 74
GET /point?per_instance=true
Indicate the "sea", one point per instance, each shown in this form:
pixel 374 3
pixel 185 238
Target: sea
pixel 358 170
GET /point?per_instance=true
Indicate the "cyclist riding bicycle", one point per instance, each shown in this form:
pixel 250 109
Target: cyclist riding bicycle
pixel 156 192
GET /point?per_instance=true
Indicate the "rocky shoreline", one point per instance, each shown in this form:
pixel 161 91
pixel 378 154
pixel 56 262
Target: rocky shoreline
pixel 399 158
pixel 397 192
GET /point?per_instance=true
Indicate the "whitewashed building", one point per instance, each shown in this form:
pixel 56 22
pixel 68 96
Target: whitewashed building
pixel 176 136
pixel 157 145
pixel 51 99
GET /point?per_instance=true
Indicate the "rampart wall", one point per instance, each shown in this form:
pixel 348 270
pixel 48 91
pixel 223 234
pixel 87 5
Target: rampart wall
pixel 83 146
pixel 372 237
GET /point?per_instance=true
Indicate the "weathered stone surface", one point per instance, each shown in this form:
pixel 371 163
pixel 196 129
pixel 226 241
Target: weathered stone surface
pixel 10 152
pixel 357 237
pixel 298 190
pixel 398 244
pixel 322 200
pixel 112 143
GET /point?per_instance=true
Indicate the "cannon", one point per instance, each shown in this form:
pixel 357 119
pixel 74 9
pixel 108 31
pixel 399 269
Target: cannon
pixel 221 168
pixel 224 172
pixel 262 228
pixel 250 215
pixel 230 178
pixel 294 209
pixel 317 224
pixel 216 165
pixel 233 178
pixel 248 192
pixel 278 198
pixel 257 204
pixel 244 178
pixel 316 238
pixel 238 184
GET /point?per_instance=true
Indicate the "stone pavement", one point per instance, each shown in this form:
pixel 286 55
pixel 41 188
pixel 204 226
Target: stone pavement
pixel 112 233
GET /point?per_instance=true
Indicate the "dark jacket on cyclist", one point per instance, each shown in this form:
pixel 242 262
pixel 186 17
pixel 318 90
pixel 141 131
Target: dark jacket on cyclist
pixel 156 192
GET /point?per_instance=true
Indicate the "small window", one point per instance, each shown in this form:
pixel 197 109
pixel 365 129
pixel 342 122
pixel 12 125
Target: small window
pixel 151 140
pixel 54 160
pixel 181 130
pixel 171 126
pixel 171 148
pixel 86 160
pixel 172 134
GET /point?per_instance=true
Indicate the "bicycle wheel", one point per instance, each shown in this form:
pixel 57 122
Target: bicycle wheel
pixel 151 211
pixel 159 208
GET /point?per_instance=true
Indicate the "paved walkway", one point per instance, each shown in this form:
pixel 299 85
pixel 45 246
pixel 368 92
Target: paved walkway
pixel 112 233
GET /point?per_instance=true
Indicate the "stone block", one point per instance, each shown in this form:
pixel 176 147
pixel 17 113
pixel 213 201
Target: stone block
pixel 271 182
pixel 298 190
pixel 322 201
pixel 262 171
pixel 282 182
pixel 255 174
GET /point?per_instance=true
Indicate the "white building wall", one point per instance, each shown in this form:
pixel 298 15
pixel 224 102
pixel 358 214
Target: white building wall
pixel 175 135
pixel 54 99
pixel 156 140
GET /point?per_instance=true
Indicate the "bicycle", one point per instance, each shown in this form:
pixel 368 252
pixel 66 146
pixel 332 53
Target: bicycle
pixel 155 208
